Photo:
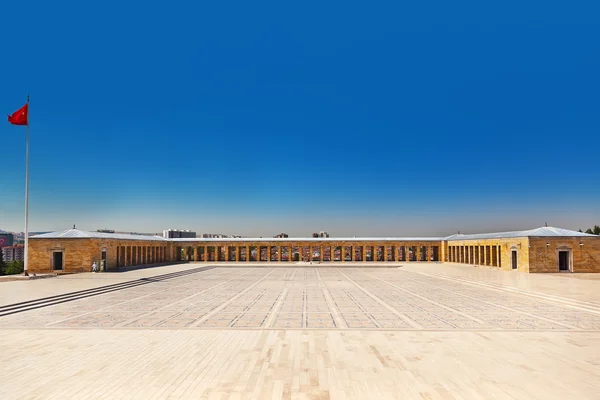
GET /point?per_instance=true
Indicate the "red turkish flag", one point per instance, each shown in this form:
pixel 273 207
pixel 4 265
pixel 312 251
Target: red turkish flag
pixel 19 117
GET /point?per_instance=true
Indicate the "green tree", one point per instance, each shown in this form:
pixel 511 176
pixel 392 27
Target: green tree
pixel 14 268
pixel 596 230
pixel 580 231
pixel 2 263
pixel 589 231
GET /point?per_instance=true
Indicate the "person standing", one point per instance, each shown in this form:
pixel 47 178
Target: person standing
pixel 94 267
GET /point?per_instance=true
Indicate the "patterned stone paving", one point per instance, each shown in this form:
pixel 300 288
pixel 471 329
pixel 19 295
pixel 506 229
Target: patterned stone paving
pixel 422 331
pixel 312 298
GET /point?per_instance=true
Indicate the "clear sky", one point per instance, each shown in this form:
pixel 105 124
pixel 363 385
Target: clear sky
pixel 254 118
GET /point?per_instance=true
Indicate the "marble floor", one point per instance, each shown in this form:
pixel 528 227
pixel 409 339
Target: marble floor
pixel 425 330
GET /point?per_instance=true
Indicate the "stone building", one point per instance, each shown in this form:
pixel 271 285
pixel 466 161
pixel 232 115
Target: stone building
pixel 544 249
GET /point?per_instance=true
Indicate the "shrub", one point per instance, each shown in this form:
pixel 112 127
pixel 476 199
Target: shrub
pixel 13 268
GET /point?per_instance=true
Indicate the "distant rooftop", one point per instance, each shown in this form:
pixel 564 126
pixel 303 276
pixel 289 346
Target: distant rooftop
pixel 538 232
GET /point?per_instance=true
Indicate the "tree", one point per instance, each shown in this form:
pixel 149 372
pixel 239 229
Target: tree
pixel 2 263
pixel 589 231
pixel 580 231
pixel 596 230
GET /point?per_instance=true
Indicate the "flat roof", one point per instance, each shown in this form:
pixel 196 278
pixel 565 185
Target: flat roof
pixel 546 231
pixel 312 239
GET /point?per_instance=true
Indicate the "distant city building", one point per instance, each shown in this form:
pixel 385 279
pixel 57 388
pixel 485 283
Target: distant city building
pixel 282 235
pixel 105 231
pixel 213 235
pixel 6 239
pixel 13 253
pixel 176 233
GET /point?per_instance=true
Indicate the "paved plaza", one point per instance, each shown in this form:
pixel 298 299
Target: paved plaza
pixel 198 331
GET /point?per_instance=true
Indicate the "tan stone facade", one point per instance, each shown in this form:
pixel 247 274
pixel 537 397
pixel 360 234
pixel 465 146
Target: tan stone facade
pixel 79 254
pixel 581 254
pixel 525 254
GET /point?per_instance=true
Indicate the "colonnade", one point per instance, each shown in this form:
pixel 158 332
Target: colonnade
pixel 260 252
pixel 488 255
pixel 141 255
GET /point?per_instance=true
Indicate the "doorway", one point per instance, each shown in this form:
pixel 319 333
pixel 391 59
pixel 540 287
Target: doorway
pixel 105 267
pixel 563 261
pixel 514 259
pixel 57 260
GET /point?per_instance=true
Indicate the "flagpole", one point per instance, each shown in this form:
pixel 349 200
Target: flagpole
pixel 26 263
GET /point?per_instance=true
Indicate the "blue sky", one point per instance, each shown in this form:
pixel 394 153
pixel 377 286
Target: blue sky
pixel 255 118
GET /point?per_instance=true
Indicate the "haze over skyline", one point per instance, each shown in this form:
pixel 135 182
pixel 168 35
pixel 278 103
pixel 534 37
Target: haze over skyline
pixel 257 118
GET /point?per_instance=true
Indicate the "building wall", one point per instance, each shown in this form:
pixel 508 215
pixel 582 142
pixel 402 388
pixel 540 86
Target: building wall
pixel 504 250
pixel 6 239
pixel 13 253
pixel 299 243
pixel 79 254
pixel 584 254
pixel 533 255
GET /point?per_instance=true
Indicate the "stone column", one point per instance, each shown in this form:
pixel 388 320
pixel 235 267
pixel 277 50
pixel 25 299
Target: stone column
pixel 195 253
pixel 499 256
pixel 485 255
pixel 247 253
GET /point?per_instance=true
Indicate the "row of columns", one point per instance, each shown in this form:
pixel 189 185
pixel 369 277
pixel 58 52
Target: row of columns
pixel 488 255
pixel 140 255
pixel 275 253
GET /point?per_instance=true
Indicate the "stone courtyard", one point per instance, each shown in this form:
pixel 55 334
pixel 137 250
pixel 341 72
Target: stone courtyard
pixel 199 331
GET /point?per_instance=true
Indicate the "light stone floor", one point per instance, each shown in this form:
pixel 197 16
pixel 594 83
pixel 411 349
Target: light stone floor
pixel 426 331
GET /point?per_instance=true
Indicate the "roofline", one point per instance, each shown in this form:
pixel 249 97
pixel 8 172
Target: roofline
pixel 532 233
pixel 311 239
